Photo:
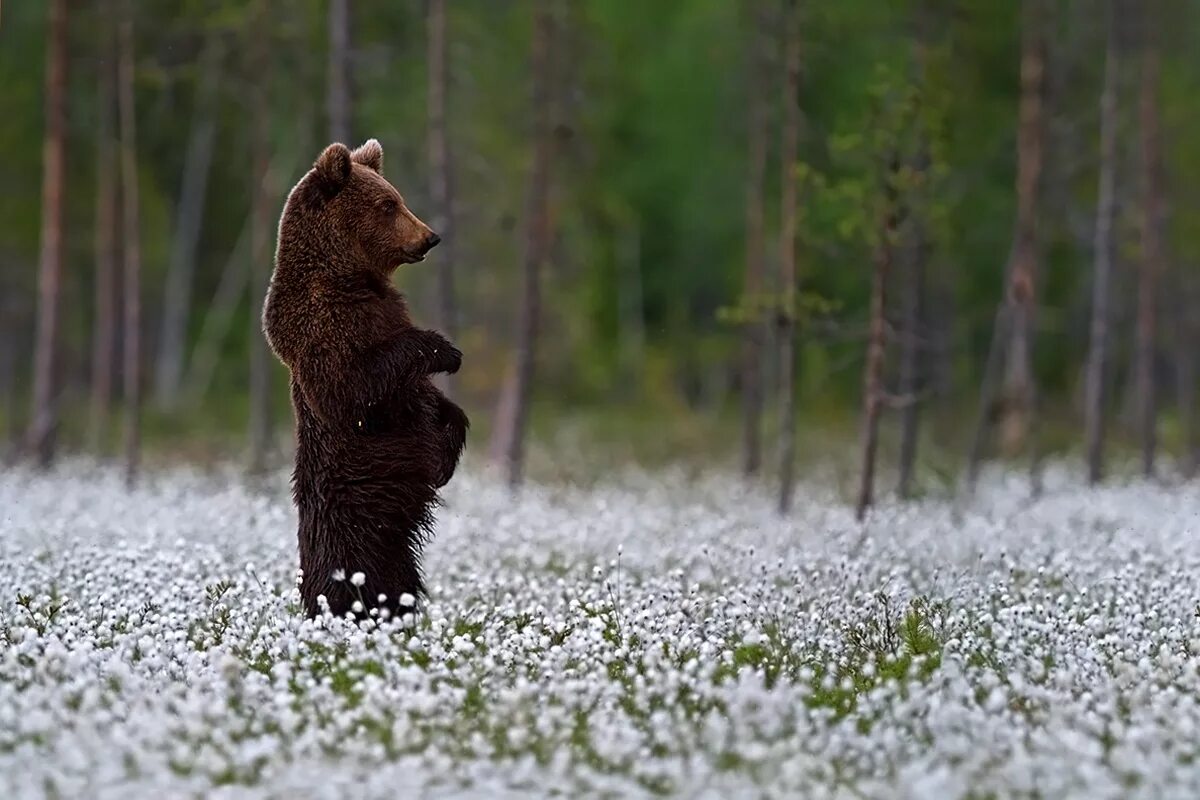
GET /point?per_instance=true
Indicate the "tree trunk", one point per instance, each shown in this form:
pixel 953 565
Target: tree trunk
pixel 1019 389
pixel 915 347
pixel 260 251
pixel 131 241
pixel 753 331
pixel 631 320
pixel 788 284
pixel 1185 369
pixel 512 417
pixel 43 419
pixel 177 290
pixel 12 304
pixel 1001 328
pixel 9 436
pixel 1105 205
pixel 1012 336
pixel 104 333
pixel 441 174
pixel 912 355
pixel 1152 250
pixel 218 318
pixel 876 346
pixel 340 82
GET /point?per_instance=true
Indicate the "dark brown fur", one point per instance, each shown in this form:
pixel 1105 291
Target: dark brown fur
pixel 376 439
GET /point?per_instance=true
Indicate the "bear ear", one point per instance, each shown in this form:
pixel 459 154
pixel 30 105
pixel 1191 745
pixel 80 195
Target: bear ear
pixel 369 155
pixel 333 169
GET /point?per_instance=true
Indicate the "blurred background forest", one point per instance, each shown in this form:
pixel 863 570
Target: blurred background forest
pixel 771 232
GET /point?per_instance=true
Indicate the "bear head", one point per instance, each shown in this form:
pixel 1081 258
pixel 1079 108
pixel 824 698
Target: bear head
pixel 345 214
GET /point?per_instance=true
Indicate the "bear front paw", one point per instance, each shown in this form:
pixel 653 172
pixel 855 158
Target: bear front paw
pixel 443 356
pixel 448 359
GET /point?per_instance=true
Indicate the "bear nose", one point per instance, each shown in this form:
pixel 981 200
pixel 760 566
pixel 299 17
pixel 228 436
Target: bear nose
pixel 431 241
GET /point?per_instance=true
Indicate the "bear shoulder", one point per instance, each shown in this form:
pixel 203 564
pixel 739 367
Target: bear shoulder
pixel 311 318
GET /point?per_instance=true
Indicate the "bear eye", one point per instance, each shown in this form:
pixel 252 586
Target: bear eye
pixel 388 205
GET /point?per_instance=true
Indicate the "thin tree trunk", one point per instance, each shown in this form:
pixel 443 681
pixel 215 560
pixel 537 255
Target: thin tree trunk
pixel 9 437
pixel 218 318
pixel 1185 369
pixel 987 390
pixel 788 284
pixel 1036 447
pixel 43 418
pixel 131 241
pixel 753 331
pixel 940 325
pixel 1105 205
pixel 11 326
pixel 630 307
pixel 260 253
pixel 340 82
pixel 1019 386
pixel 505 417
pixel 104 334
pixel 1152 251
pixel 177 290
pixel 1012 336
pixel 441 173
pixel 916 331
pixel 512 418
pixel 911 357
pixel 876 349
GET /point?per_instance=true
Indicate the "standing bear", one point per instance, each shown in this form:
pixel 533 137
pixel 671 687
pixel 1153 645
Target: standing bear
pixel 375 438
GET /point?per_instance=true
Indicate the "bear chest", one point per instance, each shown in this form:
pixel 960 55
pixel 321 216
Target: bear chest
pixel 400 413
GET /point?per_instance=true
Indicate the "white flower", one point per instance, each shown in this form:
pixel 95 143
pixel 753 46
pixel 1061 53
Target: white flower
pixel 339 575
pixel 358 579
pixel 743 672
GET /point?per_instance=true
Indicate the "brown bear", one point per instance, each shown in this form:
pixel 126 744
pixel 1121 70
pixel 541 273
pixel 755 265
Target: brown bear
pixel 375 438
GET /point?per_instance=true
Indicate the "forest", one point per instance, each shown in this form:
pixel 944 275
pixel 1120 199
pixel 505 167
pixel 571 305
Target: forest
pixel 920 232
pixel 830 364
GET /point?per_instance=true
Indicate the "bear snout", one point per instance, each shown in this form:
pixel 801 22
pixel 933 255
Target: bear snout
pixel 431 241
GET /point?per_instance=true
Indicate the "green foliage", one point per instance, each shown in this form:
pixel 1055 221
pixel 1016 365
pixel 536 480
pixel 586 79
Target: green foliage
pixel 899 98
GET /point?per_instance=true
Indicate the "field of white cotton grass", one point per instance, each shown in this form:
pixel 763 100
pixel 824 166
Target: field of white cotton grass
pixel 658 637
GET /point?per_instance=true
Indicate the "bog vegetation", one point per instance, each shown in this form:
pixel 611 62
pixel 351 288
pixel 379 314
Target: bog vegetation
pixel 672 638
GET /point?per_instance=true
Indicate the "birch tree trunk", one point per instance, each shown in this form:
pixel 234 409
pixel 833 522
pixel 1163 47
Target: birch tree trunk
pixel 513 410
pixel 911 354
pixel 43 418
pixel 1094 401
pixel 104 329
pixel 1012 334
pixel 873 390
pixel 10 436
pixel 131 241
pixel 1185 368
pixel 915 347
pixel 218 318
pixel 1152 250
pixel 1019 386
pixel 177 289
pixel 753 325
pixel 788 284
pixel 631 314
pixel 339 97
pixel 441 174
pixel 260 250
